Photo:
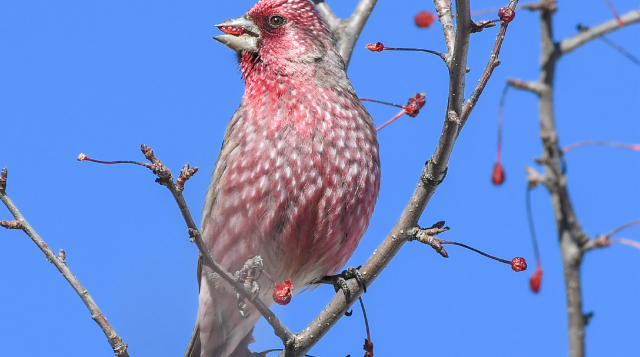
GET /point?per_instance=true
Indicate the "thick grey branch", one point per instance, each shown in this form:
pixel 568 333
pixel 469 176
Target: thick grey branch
pixel 573 241
pixel 569 44
pixel 346 32
pixel 347 40
pixel 328 15
pixel 443 8
pixel 118 346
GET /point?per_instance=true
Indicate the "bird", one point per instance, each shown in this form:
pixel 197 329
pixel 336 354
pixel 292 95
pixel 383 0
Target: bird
pixel 298 174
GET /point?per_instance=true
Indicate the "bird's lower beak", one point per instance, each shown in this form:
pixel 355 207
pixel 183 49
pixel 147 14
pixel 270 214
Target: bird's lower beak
pixel 241 34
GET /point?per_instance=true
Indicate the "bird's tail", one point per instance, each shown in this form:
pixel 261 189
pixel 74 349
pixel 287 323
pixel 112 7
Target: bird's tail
pixel 221 331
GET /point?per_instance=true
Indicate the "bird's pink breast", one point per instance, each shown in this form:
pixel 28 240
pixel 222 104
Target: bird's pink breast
pixel 300 185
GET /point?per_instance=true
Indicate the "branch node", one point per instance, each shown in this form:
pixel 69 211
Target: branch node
pixel 547 5
pixel 163 173
pixel 62 255
pixel 429 179
pixel 15 224
pixel 534 178
pixel 193 234
pixel 532 86
pixel 427 236
pixel 481 25
pixel 185 174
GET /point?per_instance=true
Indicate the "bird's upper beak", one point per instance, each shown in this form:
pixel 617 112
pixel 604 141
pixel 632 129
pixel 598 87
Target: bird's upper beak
pixel 241 34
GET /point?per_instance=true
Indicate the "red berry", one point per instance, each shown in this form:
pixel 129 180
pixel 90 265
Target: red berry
pixel 535 280
pixel 424 19
pixel 415 103
pixel 518 264
pixel 375 47
pixel 498 174
pixel 283 292
pixel 232 30
pixel 506 14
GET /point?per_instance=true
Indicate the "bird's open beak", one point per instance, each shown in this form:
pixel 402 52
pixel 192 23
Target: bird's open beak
pixel 241 34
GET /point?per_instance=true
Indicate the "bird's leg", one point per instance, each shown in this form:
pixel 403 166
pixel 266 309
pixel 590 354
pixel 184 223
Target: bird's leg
pixel 248 276
pixel 339 281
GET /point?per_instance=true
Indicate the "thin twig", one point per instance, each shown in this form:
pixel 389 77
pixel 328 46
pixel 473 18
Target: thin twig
pixel 532 228
pixel 503 99
pixel 635 147
pixel 622 227
pixel 569 44
pixel 622 51
pixel 573 241
pixel 533 86
pixel 346 32
pixel 494 62
pixel 329 17
pixel 629 242
pixel 118 346
pixel 347 40
pixel 443 8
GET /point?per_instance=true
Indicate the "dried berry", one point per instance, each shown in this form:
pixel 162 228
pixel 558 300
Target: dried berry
pixel 518 264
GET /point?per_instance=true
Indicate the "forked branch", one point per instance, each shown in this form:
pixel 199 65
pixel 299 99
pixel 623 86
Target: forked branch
pixel 346 32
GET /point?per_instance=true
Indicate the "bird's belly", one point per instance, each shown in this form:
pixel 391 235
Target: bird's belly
pixel 301 204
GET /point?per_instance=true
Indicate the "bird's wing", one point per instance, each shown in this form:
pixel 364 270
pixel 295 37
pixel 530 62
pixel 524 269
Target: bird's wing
pixel 193 349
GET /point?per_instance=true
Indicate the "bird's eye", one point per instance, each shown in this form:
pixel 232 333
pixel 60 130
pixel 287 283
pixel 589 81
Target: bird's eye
pixel 277 21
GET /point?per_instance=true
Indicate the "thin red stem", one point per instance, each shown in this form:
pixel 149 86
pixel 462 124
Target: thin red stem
pixel 115 162
pixel 503 99
pixel 532 229
pixel 392 119
pixel 615 12
pixel 634 147
pixel 623 227
pixel 626 241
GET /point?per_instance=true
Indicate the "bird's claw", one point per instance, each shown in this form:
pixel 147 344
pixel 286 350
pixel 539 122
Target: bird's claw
pixel 248 275
pixel 339 281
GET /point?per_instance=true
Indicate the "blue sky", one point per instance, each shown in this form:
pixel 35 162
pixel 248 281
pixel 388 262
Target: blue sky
pixel 104 77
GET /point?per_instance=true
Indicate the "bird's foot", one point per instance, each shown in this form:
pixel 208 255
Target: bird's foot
pixel 339 281
pixel 248 276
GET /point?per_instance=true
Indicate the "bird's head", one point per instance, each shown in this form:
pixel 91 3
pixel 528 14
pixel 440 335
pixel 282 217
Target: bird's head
pixel 281 34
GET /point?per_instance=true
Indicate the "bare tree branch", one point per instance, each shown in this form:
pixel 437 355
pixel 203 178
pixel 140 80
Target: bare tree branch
pixel 346 32
pixel 532 86
pixel 623 227
pixel 406 227
pixel 573 241
pixel 494 62
pixel 354 27
pixel 443 8
pixel 569 44
pixel 328 15
pixel 118 346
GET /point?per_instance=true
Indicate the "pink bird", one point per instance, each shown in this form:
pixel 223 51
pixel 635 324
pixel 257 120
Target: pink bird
pixel 298 174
